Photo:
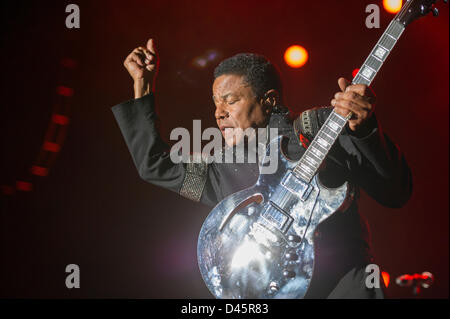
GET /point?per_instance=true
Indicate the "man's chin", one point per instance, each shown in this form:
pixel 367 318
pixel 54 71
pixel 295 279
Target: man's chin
pixel 236 137
pixel 230 142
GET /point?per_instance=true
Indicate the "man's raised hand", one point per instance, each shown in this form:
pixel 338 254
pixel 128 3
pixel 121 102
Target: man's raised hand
pixel 142 65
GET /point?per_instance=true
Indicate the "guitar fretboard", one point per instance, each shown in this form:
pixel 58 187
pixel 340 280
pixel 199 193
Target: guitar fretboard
pixel 380 52
pixel 311 160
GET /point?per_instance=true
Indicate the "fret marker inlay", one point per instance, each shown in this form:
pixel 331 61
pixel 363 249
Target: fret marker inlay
pixel 380 52
pixel 367 72
pixel 334 126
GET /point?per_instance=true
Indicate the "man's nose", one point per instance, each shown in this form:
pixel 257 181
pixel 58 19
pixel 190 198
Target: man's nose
pixel 221 111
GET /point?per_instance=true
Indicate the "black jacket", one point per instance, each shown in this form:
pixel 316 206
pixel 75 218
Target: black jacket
pixel 372 162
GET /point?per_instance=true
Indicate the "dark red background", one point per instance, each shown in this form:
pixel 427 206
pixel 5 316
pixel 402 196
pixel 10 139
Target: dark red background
pixel 134 240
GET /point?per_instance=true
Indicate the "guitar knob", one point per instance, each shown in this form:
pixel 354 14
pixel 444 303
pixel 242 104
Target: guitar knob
pixel 289 273
pixel 294 238
pixel 291 256
pixel 274 286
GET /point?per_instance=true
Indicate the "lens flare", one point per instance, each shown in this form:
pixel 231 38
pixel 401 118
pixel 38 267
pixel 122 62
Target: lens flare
pixel 392 6
pixel 245 254
pixel 296 56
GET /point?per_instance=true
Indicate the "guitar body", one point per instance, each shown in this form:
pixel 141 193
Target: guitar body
pixel 259 242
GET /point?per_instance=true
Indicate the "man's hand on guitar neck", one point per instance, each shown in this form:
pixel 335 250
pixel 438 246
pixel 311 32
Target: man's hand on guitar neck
pixel 142 65
pixel 358 99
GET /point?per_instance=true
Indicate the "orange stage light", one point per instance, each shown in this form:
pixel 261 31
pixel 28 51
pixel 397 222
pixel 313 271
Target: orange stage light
pixel 386 278
pixel 296 56
pixel 392 6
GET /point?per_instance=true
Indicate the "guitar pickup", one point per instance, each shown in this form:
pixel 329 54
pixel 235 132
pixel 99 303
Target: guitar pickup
pixel 296 186
pixel 274 216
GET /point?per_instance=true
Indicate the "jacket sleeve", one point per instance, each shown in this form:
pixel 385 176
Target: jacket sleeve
pixel 138 121
pixel 373 161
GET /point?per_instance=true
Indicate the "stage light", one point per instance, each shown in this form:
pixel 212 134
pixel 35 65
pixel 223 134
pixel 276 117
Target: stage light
pixel 65 91
pixel 51 147
pixel 386 278
pixel 60 119
pixel 39 170
pixel 296 56
pixel 392 6
pixel 24 186
pixel 206 59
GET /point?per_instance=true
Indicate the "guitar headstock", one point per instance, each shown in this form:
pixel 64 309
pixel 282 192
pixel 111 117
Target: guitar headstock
pixel 415 9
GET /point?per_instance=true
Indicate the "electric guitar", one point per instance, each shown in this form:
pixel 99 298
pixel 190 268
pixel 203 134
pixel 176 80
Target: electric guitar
pixel 259 242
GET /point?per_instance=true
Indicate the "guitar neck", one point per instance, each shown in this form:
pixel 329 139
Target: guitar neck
pixel 335 123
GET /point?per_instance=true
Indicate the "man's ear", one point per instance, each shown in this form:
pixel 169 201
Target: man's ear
pixel 270 100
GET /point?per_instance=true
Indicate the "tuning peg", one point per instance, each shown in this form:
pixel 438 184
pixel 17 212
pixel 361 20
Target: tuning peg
pixel 435 12
pixel 423 10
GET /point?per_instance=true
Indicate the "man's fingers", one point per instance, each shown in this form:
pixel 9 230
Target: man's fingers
pixel 343 108
pixel 138 58
pixel 354 106
pixel 144 52
pixel 343 84
pixel 145 55
pixel 353 96
pixel 151 67
pixel 151 46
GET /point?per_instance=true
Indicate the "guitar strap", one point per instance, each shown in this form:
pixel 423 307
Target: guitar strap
pixel 308 123
pixel 304 127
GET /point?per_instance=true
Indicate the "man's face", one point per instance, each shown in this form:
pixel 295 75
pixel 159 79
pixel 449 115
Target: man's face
pixel 236 107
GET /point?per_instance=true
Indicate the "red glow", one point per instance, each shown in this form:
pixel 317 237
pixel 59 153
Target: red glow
pixel 24 186
pixel 7 190
pixel 51 147
pixel 355 71
pixel 65 91
pixel 304 141
pixel 39 170
pixel 386 278
pixel 392 6
pixel 60 119
pixel 69 63
pixel 296 56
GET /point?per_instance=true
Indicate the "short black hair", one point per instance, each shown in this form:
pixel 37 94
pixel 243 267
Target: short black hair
pixel 258 72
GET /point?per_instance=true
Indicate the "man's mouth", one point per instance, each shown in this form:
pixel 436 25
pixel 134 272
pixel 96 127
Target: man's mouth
pixel 223 127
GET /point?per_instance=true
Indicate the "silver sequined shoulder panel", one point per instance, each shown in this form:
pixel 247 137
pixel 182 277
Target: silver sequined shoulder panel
pixel 195 179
